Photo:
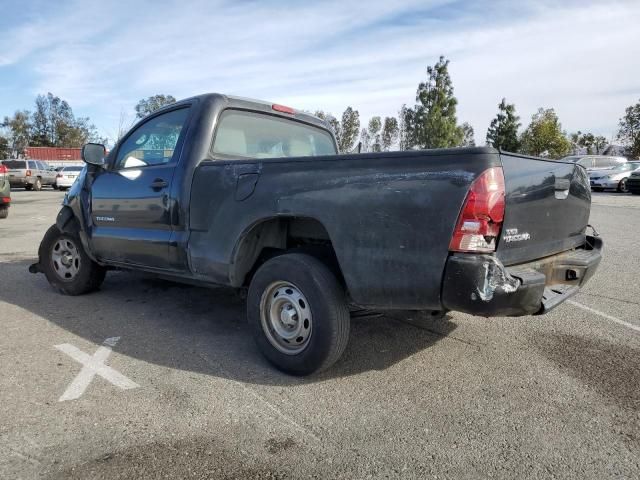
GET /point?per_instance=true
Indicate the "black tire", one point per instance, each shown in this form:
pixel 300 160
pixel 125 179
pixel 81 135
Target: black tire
pixel 327 303
pixel 622 186
pixel 28 186
pixel 89 274
pixel 635 192
pixel 54 186
pixel 37 186
pixel 4 211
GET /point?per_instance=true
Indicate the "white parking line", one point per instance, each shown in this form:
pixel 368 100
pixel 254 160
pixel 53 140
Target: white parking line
pixel 92 366
pixel 604 315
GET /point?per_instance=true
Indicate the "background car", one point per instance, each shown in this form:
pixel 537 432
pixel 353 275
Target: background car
pixel 66 176
pixel 30 174
pixel 5 192
pixel 612 178
pixel 596 162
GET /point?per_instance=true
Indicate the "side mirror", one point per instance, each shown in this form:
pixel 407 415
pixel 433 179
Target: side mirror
pixel 94 153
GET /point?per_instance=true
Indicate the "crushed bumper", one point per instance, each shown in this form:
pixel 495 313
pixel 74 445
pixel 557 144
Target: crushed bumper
pixel 481 285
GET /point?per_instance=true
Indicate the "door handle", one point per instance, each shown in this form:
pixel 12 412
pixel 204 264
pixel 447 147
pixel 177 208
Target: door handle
pixel 158 183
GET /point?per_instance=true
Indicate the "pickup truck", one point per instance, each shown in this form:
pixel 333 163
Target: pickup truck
pixel 223 190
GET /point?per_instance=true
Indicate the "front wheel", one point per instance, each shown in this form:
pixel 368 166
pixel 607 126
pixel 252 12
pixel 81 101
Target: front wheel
pixel 66 265
pixel 37 186
pixel 298 313
pixel 622 186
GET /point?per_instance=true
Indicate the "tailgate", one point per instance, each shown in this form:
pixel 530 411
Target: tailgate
pixel 546 210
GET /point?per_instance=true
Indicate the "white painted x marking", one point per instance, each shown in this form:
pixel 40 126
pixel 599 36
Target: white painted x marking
pixel 92 366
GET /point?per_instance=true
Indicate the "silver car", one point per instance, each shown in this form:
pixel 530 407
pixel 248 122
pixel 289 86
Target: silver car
pixel 30 174
pixel 612 178
pixel 596 162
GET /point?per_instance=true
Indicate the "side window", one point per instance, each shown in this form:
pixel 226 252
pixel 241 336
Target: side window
pixel 154 142
pixel 602 163
pixel 585 162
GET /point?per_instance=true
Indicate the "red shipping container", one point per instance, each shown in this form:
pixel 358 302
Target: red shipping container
pixel 53 154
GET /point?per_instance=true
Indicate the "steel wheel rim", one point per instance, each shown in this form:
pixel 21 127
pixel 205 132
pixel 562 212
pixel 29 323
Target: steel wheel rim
pixel 285 316
pixel 65 259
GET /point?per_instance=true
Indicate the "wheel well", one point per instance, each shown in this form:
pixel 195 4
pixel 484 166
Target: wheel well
pixel 276 236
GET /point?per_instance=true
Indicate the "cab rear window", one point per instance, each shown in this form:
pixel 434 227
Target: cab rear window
pixel 242 134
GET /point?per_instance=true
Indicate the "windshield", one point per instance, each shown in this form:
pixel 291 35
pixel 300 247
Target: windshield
pixel 257 135
pixel 626 166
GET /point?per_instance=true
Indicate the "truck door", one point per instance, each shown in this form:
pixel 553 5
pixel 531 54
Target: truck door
pixel 131 199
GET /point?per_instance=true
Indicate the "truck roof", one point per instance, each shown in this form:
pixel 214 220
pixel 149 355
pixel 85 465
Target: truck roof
pixel 233 101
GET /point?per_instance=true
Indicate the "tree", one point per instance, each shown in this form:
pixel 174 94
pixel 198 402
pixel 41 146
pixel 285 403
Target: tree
pixel 5 151
pixel 599 143
pixel 574 138
pixel 629 131
pixel 390 131
pixel 405 128
pixel 53 124
pixel 365 140
pixel 435 122
pixel 349 128
pixel 468 139
pixel 544 136
pixel 503 131
pixel 149 105
pixel 19 129
pixel 373 137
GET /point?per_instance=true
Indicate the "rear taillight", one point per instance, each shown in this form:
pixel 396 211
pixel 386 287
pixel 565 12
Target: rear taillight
pixel 3 171
pixel 28 173
pixel 480 220
pixel 5 199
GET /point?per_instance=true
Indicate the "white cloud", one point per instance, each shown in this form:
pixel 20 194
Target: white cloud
pixel 579 59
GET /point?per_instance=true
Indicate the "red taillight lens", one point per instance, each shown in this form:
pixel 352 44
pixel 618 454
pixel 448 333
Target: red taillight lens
pixel 283 109
pixel 480 220
pixel 28 174
pixel 3 169
pixel 5 199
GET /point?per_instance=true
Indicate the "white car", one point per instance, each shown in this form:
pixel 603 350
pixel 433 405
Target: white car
pixel 66 176
pixel 612 178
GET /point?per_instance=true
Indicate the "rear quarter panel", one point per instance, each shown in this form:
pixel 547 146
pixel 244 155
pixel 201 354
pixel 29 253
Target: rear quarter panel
pixel 390 216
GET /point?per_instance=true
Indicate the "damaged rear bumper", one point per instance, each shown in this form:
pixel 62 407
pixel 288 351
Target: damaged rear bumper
pixel 481 285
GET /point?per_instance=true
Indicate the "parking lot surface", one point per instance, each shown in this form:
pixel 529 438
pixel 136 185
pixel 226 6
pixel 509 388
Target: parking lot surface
pixel 465 397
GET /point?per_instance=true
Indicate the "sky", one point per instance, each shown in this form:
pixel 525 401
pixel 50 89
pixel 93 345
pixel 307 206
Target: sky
pixel 581 58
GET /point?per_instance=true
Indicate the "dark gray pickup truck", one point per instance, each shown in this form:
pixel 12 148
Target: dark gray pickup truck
pixel 223 190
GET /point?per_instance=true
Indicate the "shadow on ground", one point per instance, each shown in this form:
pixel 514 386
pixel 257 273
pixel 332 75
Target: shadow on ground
pixel 202 330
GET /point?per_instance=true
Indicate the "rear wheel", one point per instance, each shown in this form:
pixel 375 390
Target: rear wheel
pixel 28 186
pixel 297 311
pixel 4 211
pixel 66 265
pixel 622 186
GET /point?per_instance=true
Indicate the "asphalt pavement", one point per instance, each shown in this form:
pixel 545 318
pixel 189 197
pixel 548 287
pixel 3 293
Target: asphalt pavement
pixel 151 379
